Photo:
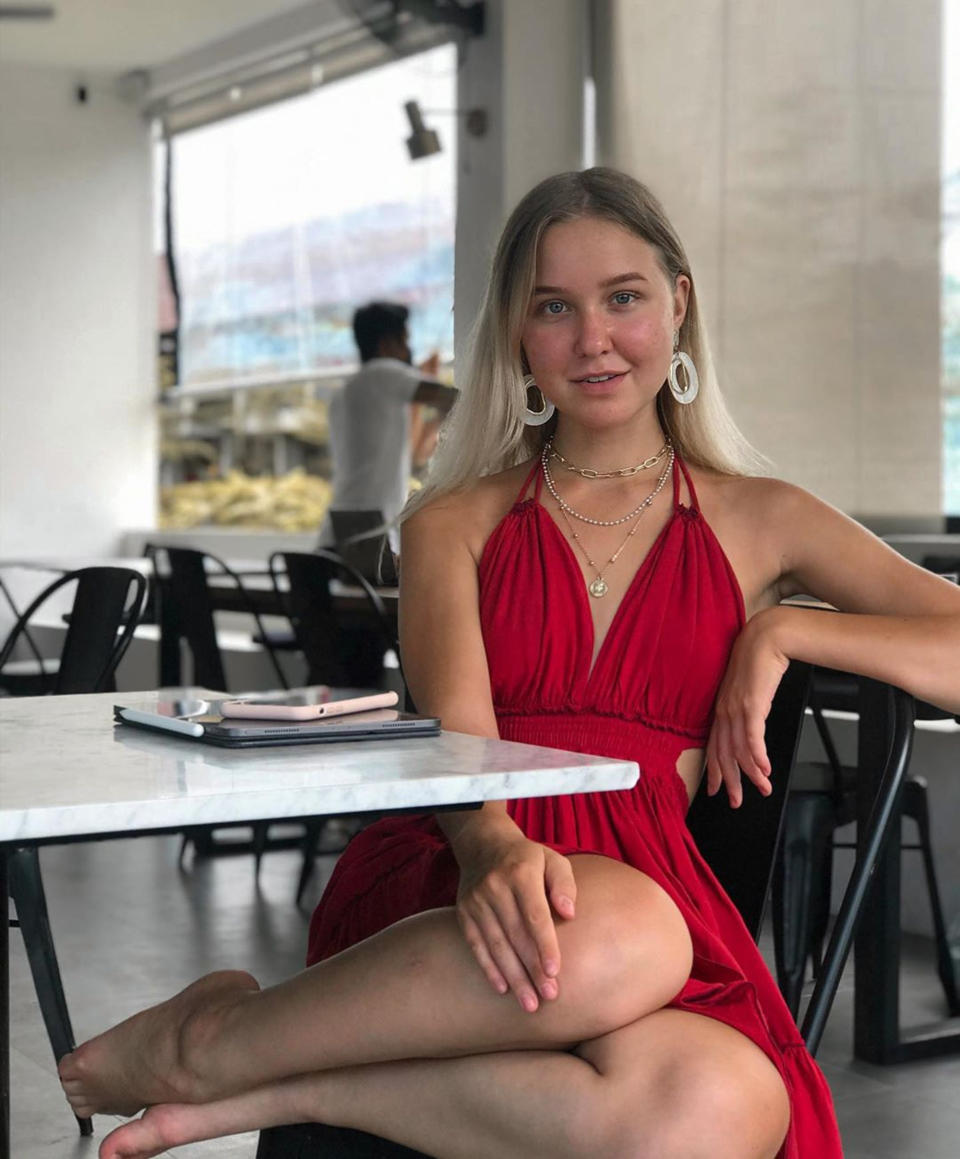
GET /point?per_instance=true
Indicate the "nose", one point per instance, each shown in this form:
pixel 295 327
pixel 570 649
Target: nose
pixel 593 337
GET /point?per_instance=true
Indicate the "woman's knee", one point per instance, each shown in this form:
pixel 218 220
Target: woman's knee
pixel 710 1107
pixel 677 1085
pixel 630 946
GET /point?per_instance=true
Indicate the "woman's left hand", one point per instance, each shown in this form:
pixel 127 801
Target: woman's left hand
pixel 736 743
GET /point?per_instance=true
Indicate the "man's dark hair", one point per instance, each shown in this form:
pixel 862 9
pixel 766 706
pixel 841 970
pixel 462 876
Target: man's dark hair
pixel 375 321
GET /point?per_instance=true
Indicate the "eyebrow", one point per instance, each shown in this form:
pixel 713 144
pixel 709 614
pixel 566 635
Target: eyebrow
pixel 619 279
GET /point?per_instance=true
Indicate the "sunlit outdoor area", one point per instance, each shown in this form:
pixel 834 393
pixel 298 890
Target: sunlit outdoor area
pixel 287 218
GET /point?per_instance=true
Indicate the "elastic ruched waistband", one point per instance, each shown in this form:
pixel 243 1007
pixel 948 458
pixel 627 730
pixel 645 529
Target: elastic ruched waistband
pixel 655 750
pixel 599 735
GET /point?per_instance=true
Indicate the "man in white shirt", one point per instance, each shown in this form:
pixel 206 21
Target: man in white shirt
pixel 376 431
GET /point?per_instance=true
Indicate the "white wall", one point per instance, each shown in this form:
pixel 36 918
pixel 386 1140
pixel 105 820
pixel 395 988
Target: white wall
pixel 797 149
pixel 78 459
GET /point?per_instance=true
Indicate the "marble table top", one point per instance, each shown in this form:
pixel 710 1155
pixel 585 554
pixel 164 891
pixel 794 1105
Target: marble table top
pixel 67 771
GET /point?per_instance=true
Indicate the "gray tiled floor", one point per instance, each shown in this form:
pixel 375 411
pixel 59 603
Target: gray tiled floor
pixel 131 929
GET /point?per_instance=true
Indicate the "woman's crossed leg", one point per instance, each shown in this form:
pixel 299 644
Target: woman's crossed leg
pixel 223 1056
pixel 672 1085
pixel 412 991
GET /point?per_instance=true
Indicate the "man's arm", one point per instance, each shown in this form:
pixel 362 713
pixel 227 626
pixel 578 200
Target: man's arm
pixel 435 394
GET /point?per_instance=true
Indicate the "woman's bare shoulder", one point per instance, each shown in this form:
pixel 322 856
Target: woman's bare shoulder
pixel 468 515
pixel 746 497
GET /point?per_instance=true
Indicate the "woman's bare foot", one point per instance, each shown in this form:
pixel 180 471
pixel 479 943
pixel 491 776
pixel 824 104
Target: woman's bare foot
pixel 171 1125
pixel 139 1062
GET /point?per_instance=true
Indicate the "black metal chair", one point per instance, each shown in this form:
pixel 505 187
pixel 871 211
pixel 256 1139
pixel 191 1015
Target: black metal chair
pixel 107 606
pixel 344 648
pixel 723 835
pixel 185 611
pixel 102 621
pixel 824 799
pixel 341 648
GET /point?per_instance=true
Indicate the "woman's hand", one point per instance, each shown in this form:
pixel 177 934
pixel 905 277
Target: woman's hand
pixel 510 888
pixel 736 743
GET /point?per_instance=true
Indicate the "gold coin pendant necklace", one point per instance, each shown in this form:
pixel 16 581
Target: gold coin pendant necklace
pixel 598 587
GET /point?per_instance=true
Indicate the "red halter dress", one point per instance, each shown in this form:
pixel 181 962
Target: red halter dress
pixel 648 697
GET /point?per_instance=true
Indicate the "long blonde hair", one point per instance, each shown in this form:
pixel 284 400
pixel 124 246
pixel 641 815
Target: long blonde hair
pixel 485 432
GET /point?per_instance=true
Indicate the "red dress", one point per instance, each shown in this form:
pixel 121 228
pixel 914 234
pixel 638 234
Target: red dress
pixel 648 697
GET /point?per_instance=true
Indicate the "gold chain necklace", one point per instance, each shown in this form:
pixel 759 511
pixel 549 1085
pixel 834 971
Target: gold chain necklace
pixel 622 473
pixel 568 510
pixel 598 586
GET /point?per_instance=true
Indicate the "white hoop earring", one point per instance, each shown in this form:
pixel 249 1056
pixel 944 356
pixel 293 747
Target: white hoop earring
pixel 536 418
pixel 687 394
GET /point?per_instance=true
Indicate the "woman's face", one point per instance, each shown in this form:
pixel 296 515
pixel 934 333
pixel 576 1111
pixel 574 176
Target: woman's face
pixel 598 336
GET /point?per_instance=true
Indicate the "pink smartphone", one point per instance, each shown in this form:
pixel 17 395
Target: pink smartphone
pixel 278 710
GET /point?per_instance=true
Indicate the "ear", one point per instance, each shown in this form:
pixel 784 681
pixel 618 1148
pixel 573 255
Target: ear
pixel 681 295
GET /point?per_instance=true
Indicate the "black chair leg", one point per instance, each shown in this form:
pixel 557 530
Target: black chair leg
pixel 311 839
pixel 30 902
pixel 797 887
pixel 915 805
pixel 259 845
pixel 820 905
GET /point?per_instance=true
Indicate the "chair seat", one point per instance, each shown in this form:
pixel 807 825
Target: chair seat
pixel 817 777
pixel 317 1141
pixel 281 640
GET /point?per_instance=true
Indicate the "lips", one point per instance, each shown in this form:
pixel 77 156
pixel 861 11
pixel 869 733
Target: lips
pixel 599 377
pixel 600 384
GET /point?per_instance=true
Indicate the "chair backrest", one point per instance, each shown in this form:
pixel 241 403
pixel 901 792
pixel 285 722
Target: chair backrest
pixel 341 647
pixel 891 723
pixel 361 541
pixel 103 619
pixel 186 609
pixel 724 835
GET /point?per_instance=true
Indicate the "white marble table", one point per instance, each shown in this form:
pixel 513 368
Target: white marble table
pixel 68 773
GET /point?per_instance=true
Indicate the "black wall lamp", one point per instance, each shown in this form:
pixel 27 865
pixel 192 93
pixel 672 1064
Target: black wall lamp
pixel 424 142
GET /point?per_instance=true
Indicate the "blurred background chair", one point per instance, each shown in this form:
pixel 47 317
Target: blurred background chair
pixel 361 540
pixel 823 799
pixel 185 611
pixel 343 647
pixel 108 603
pixel 186 607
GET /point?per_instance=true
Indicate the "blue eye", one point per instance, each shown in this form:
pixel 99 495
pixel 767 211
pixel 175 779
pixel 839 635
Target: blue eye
pixel 624 297
pixel 548 308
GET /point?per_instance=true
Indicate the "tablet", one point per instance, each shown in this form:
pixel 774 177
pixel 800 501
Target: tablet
pixel 202 720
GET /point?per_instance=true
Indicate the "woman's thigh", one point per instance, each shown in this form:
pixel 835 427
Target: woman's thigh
pixel 682 1084
pixel 627 929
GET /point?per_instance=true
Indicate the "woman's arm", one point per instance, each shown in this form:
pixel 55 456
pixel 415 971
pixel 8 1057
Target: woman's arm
pixel 895 622
pixel 508 884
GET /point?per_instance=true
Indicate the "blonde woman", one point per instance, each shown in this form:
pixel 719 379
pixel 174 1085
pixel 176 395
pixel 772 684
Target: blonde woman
pixel 595 566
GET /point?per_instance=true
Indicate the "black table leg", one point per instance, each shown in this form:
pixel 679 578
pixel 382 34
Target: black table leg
pixel 876 1025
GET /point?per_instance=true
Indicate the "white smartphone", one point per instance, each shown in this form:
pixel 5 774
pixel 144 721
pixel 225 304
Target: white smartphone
pixel 277 710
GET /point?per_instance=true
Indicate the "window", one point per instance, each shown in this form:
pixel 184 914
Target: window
pixel 288 217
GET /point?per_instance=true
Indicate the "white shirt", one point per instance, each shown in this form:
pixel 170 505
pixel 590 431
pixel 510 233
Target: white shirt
pixel 370 439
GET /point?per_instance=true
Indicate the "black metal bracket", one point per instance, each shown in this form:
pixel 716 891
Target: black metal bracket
pixel 469 17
